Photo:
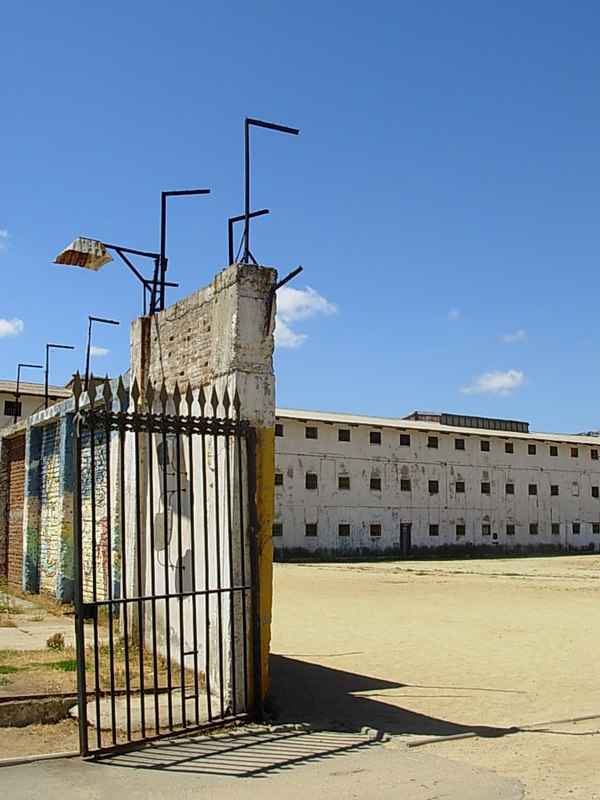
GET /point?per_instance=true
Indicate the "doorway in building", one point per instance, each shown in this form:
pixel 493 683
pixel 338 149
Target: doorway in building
pixel 405 538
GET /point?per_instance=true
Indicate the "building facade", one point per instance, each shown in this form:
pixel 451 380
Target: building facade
pixel 350 484
pixel 31 400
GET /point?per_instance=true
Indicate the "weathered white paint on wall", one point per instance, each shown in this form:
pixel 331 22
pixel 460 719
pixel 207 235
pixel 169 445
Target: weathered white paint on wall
pixel 418 485
pixel 217 339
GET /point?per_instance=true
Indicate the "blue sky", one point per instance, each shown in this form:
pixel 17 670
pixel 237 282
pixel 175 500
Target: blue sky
pixel 443 196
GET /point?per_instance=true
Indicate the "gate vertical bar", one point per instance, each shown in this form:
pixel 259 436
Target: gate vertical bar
pixel 109 580
pixel 124 576
pixel 253 532
pixel 180 566
pixel 150 453
pixel 243 566
pixel 166 507
pixel 232 626
pixel 78 575
pixel 190 439
pixel 139 544
pixel 216 496
pixel 206 566
pixel 97 690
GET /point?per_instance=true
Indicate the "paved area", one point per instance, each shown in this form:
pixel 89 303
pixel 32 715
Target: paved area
pixel 290 764
pixel 33 627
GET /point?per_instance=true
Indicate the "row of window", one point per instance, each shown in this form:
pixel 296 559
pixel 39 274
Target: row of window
pixel 310 529
pixel 312 432
pixel 311 481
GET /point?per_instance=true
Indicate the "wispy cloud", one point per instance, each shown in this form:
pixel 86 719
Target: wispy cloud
pixel 510 338
pixel 294 305
pixel 11 327
pixel 3 238
pixel 452 315
pixel 500 383
pixel 99 351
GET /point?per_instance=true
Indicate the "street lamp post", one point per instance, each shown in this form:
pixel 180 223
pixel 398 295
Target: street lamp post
pixel 92 254
pixel 29 366
pixel 230 223
pixel 48 347
pixel 89 343
pixel 159 282
pixel 259 124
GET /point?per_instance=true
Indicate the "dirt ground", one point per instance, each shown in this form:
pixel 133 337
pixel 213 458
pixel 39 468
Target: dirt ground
pixel 503 653
pixel 434 649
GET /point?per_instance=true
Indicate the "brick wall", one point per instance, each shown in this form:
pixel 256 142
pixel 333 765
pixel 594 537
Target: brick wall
pixel 3 508
pixel 216 333
pixel 14 511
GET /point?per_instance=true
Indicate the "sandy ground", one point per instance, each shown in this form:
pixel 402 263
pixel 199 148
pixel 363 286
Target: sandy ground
pixel 435 649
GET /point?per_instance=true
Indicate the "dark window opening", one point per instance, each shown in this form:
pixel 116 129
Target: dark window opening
pixel 311 480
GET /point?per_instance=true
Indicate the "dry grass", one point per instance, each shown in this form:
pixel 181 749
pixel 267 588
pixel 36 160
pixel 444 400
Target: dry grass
pixel 50 670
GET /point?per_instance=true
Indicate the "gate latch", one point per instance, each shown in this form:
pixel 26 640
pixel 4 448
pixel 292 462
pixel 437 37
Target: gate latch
pixel 90 611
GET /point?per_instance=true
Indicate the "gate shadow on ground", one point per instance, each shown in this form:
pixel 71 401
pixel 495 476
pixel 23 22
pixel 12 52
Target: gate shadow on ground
pixel 251 754
pixel 300 691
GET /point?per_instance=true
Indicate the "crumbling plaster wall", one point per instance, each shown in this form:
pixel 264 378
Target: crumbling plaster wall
pixel 220 337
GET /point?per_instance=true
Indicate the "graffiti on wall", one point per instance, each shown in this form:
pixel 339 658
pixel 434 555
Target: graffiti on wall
pixel 100 528
pixel 50 511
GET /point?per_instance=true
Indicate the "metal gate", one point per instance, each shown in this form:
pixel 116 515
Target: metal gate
pixel 166 564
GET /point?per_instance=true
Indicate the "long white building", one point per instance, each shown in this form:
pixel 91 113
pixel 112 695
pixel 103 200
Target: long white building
pixel 351 484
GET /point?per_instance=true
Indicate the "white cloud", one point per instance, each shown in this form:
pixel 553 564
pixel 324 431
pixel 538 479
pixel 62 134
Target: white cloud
pixel 3 238
pixel 509 338
pixel 501 383
pixel 11 327
pixel 285 337
pixel 99 351
pixel 294 305
pixel 452 315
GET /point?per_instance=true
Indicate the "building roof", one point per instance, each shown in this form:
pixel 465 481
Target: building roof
pixel 431 426
pixel 33 389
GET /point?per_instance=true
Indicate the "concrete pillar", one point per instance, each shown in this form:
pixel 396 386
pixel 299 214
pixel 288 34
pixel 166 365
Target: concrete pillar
pixel 220 337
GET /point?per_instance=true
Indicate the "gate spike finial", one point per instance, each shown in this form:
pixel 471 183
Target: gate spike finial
pixel 107 394
pixel 237 404
pixel 164 397
pixel 202 400
pixel 150 395
pixel 176 398
pixel 189 398
pixel 226 403
pixel 214 400
pixel 121 394
pixel 77 389
pixel 135 394
pixel 92 386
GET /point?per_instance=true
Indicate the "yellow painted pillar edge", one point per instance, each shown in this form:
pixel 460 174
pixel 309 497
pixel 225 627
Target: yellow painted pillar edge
pixel 265 509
